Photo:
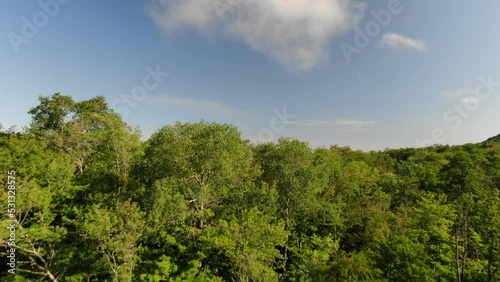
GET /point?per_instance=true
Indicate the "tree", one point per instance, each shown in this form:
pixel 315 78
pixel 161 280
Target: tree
pixel 463 185
pixel 52 113
pixel 42 181
pixel 116 232
pixel 78 128
pixel 199 165
pixel 290 167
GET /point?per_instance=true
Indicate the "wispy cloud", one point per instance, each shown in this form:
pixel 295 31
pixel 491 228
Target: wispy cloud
pixel 343 123
pixel 470 101
pixel 457 94
pixel 293 33
pixel 198 105
pixel 398 41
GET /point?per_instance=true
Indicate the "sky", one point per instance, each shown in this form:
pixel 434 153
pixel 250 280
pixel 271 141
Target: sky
pixel 366 74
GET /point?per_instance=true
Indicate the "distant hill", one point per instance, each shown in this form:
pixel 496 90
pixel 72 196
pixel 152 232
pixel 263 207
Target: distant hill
pixel 494 139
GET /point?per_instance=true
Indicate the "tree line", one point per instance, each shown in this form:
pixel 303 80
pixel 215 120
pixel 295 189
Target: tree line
pixel 197 202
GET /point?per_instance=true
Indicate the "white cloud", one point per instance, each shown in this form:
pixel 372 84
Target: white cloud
pixel 398 41
pixel 293 33
pixel 200 106
pixel 457 94
pixel 471 101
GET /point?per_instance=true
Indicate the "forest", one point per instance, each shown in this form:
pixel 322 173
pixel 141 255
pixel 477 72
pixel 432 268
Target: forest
pixel 85 199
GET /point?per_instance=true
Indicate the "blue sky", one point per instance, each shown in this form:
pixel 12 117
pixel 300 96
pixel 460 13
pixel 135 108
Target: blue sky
pixel 413 84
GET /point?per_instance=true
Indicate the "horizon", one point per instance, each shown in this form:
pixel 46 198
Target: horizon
pixel 26 129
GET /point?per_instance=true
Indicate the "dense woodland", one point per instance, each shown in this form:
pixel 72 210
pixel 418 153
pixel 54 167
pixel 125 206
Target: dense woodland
pixel 196 202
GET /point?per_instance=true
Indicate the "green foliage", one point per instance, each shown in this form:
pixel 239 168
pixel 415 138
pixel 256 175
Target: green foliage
pixel 116 232
pixel 494 139
pixel 196 202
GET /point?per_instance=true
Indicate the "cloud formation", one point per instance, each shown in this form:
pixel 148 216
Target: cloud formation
pixel 398 41
pixel 195 105
pixel 293 33
pixel 464 96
